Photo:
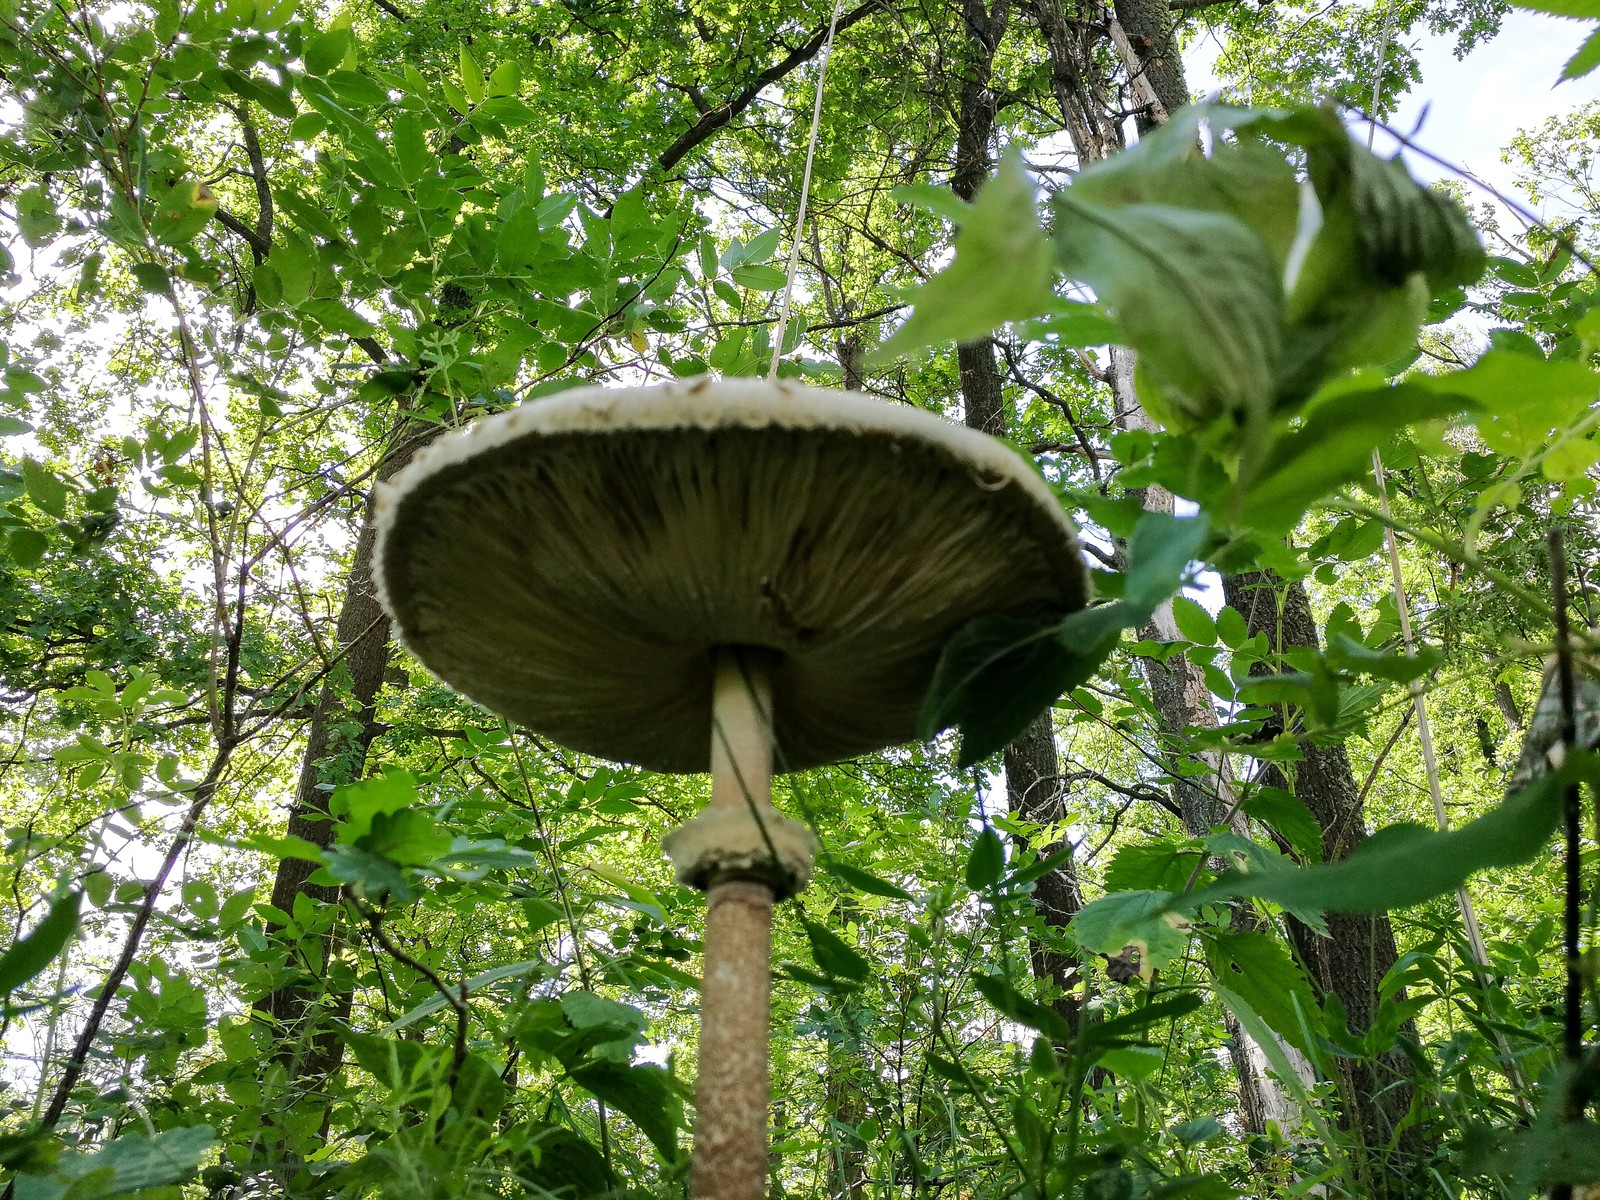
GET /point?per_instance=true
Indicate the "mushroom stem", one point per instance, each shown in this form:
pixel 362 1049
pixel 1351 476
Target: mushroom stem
pixel 733 1091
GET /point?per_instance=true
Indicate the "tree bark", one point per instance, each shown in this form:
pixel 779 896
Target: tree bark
pixel 1033 768
pixel 338 738
pixel 1178 688
pixel 1351 962
pixel 1148 26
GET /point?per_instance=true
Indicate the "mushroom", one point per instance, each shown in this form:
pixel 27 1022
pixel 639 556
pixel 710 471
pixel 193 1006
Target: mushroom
pixel 717 575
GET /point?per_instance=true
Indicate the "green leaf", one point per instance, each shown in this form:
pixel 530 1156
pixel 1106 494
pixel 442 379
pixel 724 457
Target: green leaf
pixel 760 279
pixel 998 673
pixel 324 51
pixel 648 1094
pixel 1232 629
pixel 1012 1004
pixel 1586 59
pixel 1406 864
pixel 940 201
pixel 1168 1008
pixel 357 90
pixel 867 882
pixel 472 81
pixel 505 80
pixel 833 955
pixel 1334 447
pixel 152 277
pixel 34 951
pixel 567 1164
pixel 762 247
pixel 1258 968
pixel 1140 919
pixel 1159 554
pixel 1195 293
pixel 27 546
pixel 1562 8
pixel 1072 323
pixel 986 861
pixel 273 97
pixel 1132 1062
pixel 1151 866
pixel 1193 621
pixel 1525 399
pixel 381 795
pixel 410 837
pixel 132 1162
pixel 1001 271
pixel 1288 815
pixel 44 488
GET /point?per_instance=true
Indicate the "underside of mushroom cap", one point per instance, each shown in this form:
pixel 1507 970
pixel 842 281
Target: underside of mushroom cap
pixel 573 563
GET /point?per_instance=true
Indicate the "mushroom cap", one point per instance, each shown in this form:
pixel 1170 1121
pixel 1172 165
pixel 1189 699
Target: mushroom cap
pixel 574 563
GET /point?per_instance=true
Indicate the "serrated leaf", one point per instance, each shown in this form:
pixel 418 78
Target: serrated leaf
pixel 1586 59
pixel 1001 272
pixel 1258 968
pixel 1288 815
pixel 1195 293
pixel 1151 866
pixel 1139 918
pixel 1562 8
pixel 1193 621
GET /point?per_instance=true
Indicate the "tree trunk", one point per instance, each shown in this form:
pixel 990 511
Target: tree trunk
pixel 338 738
pixel 1178 688
pixel 1351 962
pixel 1157 71
pixel 1033 769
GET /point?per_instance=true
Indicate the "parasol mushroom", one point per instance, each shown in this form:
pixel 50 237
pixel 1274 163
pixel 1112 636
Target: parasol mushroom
pixel 715 575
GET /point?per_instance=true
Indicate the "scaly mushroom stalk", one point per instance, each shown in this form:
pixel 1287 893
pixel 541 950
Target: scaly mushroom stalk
pixel 733 1090
pixel 746 856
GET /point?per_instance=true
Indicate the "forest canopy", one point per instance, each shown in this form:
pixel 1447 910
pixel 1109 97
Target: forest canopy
pixel 1265 867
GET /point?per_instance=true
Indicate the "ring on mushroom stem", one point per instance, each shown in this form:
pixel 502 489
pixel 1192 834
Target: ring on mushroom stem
pixel 717 575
